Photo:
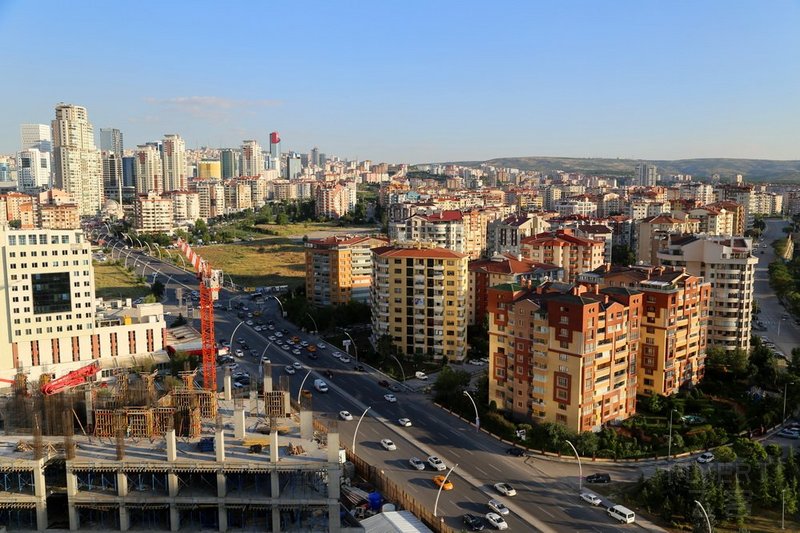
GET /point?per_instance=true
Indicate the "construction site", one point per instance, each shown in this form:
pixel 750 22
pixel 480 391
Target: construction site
pixel 128 455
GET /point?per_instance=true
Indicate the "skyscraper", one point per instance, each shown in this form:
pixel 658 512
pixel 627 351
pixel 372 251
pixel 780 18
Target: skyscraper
pixel 275 145
pixel 252 159
pixel 36 136
pixel 315 157
pixel 77 165
pixel 33 170
pixel 111 153
pixel 148 169
pixel 173 153
pixel 229 158
pixel 111 141
pixel 323 160
pixel 129 171
pixel 646 175
pixel 293 167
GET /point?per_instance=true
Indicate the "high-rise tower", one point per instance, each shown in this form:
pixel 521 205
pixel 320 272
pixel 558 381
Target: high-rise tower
pixel 77 165
pixel 173 154
pixel 111 152
pixel 252 159
pixel 229 160
pixel 148 169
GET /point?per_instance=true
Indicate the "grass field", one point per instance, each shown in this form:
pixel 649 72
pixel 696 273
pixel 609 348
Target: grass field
pixel 112 280
pixel 263 262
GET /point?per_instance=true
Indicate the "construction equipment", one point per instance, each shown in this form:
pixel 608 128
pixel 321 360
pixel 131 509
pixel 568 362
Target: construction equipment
pixel 71 379
pixel 210 281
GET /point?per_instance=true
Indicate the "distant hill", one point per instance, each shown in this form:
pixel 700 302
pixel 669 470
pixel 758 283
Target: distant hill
pixel 752 169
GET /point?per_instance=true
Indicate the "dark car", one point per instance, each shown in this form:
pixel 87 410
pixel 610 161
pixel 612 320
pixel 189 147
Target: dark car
pixel 383 383
pixel 285 331
pixel 516 452
pixel 598 478
pixel 474 523
pixel 359 368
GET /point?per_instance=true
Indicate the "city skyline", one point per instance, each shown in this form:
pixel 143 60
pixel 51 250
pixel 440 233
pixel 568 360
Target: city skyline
pixel 417 83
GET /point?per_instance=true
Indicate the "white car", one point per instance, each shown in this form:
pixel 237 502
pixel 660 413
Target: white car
pixel 303 343
pixel 257 328
pixel 388 445
pixel 416 463
pixel 296 351
pixel 345 415
pixel 239 353
pixel 278 334
pixel 505 489
pixel 344 359
pixel 436 463
pixel 290 370
pixel 405 422
pixel 297 365
pixel 249 322
pixel 266 360
pixel 496 521
pixel 498 507
pixel 272 338
pixel 391 398
pixel 337 355
pixel 590 497
pixel 321 346
pixel 706 458
pixel 286 347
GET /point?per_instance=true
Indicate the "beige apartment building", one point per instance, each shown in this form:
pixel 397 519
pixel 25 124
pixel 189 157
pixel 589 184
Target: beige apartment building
pixel 652 235
pixel 152 213
pixel 564 249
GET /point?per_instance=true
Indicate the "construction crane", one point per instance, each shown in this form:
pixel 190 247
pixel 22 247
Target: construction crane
pixel 71 379
pixel 210 281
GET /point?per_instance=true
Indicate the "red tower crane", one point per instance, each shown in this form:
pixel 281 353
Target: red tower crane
pixel 210 281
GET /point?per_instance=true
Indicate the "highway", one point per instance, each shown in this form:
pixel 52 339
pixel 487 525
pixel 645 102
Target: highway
pixel 547 492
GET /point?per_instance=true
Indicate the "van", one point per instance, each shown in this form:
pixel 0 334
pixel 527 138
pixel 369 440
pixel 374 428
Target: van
pixel 421 375
pixel 623 514
pixel 320 385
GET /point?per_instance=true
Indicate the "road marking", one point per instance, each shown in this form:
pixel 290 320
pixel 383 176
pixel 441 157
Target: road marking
pixel 481 471
pixel 542 509
pixel 490 464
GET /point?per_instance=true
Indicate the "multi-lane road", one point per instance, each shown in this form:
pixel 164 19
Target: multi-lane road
pixel 547 492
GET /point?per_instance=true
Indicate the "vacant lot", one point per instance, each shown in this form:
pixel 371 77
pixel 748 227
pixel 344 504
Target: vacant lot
pixel 264 262
pixel 112 280
pixel 316 230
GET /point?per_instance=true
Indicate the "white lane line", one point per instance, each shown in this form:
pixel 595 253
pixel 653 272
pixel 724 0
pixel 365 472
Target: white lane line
pixel 490 464
pixel 542 509
pixel 481 471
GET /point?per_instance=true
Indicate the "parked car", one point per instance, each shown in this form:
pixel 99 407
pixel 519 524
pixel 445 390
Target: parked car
pixel 591 498
pixel 705 458
pixel 598 478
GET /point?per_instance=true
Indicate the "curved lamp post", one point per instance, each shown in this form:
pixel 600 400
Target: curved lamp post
pixel 708 521
pixel 580 468
pixel 477 418
pixel 300 390
pixel 283 313
pixel 316 329
pixel 233 335
pixel 265 350
pixel 355 433
pixel 439 492
pixel 402 371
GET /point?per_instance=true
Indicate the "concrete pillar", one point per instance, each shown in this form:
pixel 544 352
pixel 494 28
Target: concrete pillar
pixel 254 403
pixel 39 489
pixel 172 447
pixel 306 424
pixel 89 407
pixel 334 523
pixel 273 446
pixel 223 517
pixel 74 522
pixel 41 516
pixel 219 445
pixel 122 484
pixel 238 423
pixel 228 385
pixel 333 448
pixel 172 484
pixel 174 518
pixel 221 486
pixel 72 483
pixel 276 519
pixel 266 371
pixel 124 518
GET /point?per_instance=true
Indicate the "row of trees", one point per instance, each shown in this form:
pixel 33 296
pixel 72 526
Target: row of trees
pixel 763 478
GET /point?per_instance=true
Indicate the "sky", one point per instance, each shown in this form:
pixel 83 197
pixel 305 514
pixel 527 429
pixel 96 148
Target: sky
pixel 416 81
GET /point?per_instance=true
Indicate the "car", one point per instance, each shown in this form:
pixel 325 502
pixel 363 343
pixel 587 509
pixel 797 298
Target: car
pixel 238 353
pixel 421 375
pixel 505 489
pixel 266 360
pixel 591 498
pixel 257 328
pixel 272 338
pixel 286 347
pixel 232 366
pixel 304 344
pixel 416 463
pixel 345 415
pixel 598 478
pixel 436 463
pixel 296 351
pixel 474 523
pixel 312 355
pixel 359 368
pixel 297 365
pixel 498 507
pixel 278 334
pixel 344 359
pixel 496 521
pixel 388 445
pixel 254 353
pixel 394 388
pixel 321 345
pixel 337 355
pixel 290 342
pixel 241 341
pixel 516 452
pixel 271 327
pixel 476 362
pixel 405 422
pixel 383 383
pixel 440 481
pixel 290 369
pixel 391 398
pixel 705 458
pixel 789 433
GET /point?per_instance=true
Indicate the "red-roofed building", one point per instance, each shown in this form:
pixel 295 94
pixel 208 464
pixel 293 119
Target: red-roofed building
pixel 564 249
pixel 444 229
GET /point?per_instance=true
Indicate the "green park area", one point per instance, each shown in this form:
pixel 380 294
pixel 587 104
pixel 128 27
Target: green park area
pixel 112 280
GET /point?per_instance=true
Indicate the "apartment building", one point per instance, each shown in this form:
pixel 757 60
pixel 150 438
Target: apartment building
pixel 212 198
pixel 599 233
pixel 49 308
pixel 711 220
pixel 339 269
pixel 419 298
pixel 444 229
pixel 237 195
pixel 486 273
pixel 560 353
pixel 153 213
pixel 185 207
pixel 506 235
pixel 652 234
pixel 564 249
pixel 729 265
pixel 674 325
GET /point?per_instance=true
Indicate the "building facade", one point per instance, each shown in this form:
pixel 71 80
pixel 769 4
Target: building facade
pixel 148 169
pixel 173 162
pixel 565 250
pixel 77 165
pixel 153 213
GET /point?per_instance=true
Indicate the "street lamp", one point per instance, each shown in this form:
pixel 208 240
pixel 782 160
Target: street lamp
pixel 265 350
pixel 300 390
pixel 708 521
pixel 785 390
pixel 233 335
pixel 316 329
pixel 402 371
pixel 580 467
pixel 783 508
pixel 669 446
pixel 355 434
pixel 477 418
pixel 439 493
pixel 283 313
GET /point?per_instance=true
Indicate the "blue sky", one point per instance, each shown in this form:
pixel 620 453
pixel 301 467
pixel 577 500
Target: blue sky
pixel 417 81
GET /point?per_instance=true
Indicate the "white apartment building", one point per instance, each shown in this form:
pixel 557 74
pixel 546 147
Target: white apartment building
pixel 48 308
pixel 35 136
pixel 576 206
pixel 505 236
pixel 33 170
pixel 185 207
pixel 173 153
pixel 212 198
pixel 153 213
pixel 445 229
pixel 237 195
pixel 251 160
pixel 728 263
pixel 149 169
pixel 76 164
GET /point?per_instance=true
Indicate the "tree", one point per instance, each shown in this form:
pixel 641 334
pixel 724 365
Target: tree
pixel 699 522
pixel 450 384
pixel 737 506
pixel 749 450
pixel 725 454
pixel 149 299
pixel 622 255
pixel 282 219
pixel 157 288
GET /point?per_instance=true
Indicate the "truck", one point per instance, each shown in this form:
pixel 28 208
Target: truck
pixel 194 347
pixel 320 385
